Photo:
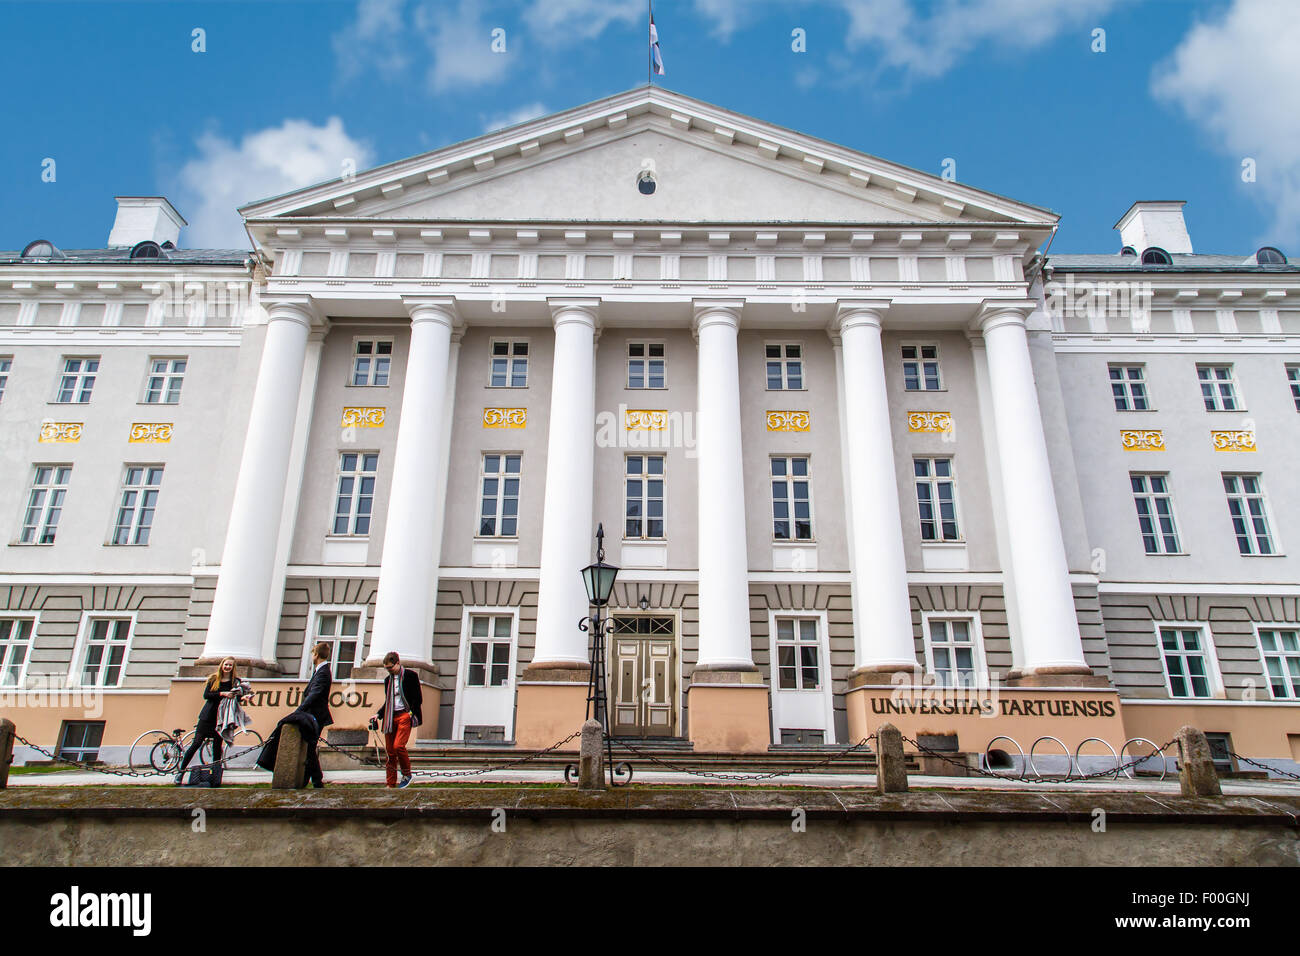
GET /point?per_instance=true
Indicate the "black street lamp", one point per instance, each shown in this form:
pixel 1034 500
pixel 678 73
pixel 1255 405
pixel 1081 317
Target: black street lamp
pixel 599 579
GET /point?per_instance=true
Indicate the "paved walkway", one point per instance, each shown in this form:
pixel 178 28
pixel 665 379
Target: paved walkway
pixel 373 778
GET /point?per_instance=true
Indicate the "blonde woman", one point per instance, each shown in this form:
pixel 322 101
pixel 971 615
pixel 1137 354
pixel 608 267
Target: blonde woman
pixel 223 684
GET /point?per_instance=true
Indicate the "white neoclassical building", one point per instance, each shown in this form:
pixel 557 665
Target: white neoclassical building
pixel 852 440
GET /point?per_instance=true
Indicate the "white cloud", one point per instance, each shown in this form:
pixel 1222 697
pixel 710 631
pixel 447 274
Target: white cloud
pixel 376 38
pixel 267 162
pixel 555 22
pixel 521 114
pixel 460 43
pixel 1235 76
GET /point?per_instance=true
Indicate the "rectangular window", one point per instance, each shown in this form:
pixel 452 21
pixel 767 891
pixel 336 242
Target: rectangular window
pixel 1281 649
pixel 1218 390
pixel 509 364
pixel 81 739
pixel 372 360
pixel 499 514
pixel 1249 514
pixel 15 647
pixel 952 652
pixel 163 386
pixel 45 504
pixel 7 361
pixel 139 501
pixel 791 500
pixel 645 365
pixel 355 501
pixel 798 654
pixel 784 367
pixel 1128 386
pixel 644 496
pixel 921 368
pixel 104 659
pixel 78 380
pixel 1183 652
pixel 1292 376
pixel 489 650
pixel 936 499
pixel 1155 508
pixel 342 632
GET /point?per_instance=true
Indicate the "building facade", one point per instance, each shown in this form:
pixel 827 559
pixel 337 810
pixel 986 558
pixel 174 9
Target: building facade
pixel 860 450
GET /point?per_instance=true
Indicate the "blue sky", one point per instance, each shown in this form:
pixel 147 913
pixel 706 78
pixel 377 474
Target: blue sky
pixel 1010 89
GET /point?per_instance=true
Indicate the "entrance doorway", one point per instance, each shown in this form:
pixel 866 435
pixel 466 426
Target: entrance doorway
pixel 643 676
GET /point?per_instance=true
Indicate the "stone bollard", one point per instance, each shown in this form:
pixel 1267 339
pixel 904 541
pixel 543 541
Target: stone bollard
pixel 290 760
pixel 891 770
pixel 591 771
pixel 7 731
pixel 1196 773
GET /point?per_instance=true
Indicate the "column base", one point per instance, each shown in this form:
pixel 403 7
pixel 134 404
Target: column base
pixel 550 704
pixel 729 711
pixel 1055 677
pixel 248 667
pixel 887 676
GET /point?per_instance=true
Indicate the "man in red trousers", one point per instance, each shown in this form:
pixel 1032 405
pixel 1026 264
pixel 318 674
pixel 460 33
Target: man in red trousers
pixel 399 715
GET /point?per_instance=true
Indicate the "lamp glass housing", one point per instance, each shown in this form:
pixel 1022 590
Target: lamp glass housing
pixel 599 581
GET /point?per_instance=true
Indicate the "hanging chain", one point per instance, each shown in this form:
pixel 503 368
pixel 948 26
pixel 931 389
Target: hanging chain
pixel 1116 771
pixel 86 765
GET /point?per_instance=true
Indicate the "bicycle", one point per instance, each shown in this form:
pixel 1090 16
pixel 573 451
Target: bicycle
pixel 167 750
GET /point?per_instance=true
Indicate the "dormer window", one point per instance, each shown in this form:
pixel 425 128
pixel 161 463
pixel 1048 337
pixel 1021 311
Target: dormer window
pixel 645 183
pixel 1128 251
pixel 1268 256
pixel 42 249
pixel 146 250
pixel 1155 256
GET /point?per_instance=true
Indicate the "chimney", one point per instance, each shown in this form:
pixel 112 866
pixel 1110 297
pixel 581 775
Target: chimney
pixel 145 217
pixel 1155 223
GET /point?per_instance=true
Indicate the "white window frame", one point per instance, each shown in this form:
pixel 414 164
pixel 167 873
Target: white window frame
pixel 462 665
pixel 6 366
pixel 1239 402
pixel 371 373
pixel 812 509
pixel 1270 526
pixel 501 496
pixel 42 525
pixel 168 376
pixel 79 379
pixel 933 480
pixel 137 509
pixel 1125 384
pixel 824 668
pixel 920 366
pixel 1208 649
pixel 314 614
pixel 645 360
pixel 1173 514
pixel 1292 377
pixel 785 361
pixel 979 660
pixel 510 359
pixel 18 617
pixel 355 495
pixel 645 477
pixel 1294 694
pixel 76 664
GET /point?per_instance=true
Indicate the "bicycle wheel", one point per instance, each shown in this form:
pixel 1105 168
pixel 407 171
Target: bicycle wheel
pixel 245 747
pixel 138 756
pixel 165 756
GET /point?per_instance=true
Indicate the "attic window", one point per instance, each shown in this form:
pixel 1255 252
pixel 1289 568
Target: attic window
pixel 42 249
pixel 146 250
pixel 168 245
pixel 1128 251
pixel 1155 256
pixel 1268 256
pixel 645 183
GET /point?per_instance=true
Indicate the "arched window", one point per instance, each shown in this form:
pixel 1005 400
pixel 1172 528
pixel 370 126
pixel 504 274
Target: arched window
pixel 146 250
pixel 42 249
pixel 1128 251
pixel 1155 256
pixel 1268 256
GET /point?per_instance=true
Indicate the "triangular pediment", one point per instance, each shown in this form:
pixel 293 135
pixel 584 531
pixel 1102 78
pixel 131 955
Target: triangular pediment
pixel 708 165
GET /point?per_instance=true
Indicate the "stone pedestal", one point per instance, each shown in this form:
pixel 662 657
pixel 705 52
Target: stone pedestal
pixel 891 767
pixel 290 760
pixel 7 731
pixel 1196 774
pixel 728 711
pixel 550 704
pixel 591 762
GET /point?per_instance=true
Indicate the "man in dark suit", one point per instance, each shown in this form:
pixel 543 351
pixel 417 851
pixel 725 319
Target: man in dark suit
pixel 399 715
pixel 315 703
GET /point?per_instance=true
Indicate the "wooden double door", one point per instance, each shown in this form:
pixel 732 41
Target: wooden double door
pixel 643 676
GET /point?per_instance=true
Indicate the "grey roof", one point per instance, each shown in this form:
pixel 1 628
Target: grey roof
pixel 1182 262
pixel 122 255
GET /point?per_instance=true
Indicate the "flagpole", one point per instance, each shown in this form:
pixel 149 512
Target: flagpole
pixel 649 45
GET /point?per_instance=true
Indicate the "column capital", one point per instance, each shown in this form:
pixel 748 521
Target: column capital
pixel 433 308
pixel 575 309
pixel 996 312
pixel 301 309
pixel 854 312
pixel 715 311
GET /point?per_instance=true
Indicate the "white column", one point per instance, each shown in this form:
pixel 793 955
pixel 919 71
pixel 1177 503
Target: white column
pixel 408 573
pixel 879 567
pixel 1049 625
pixel 567 544
pixel 725 642
pixel 240 606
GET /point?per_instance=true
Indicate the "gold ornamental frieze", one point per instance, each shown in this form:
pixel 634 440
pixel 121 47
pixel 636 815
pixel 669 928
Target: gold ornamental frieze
pixel 505 418
pixel 789 421
pixel 929 421
pixel 363 417
pixel 1142 439
pixel 60 432
pixel 645 419
pixel 151 433
pixel 1238 440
